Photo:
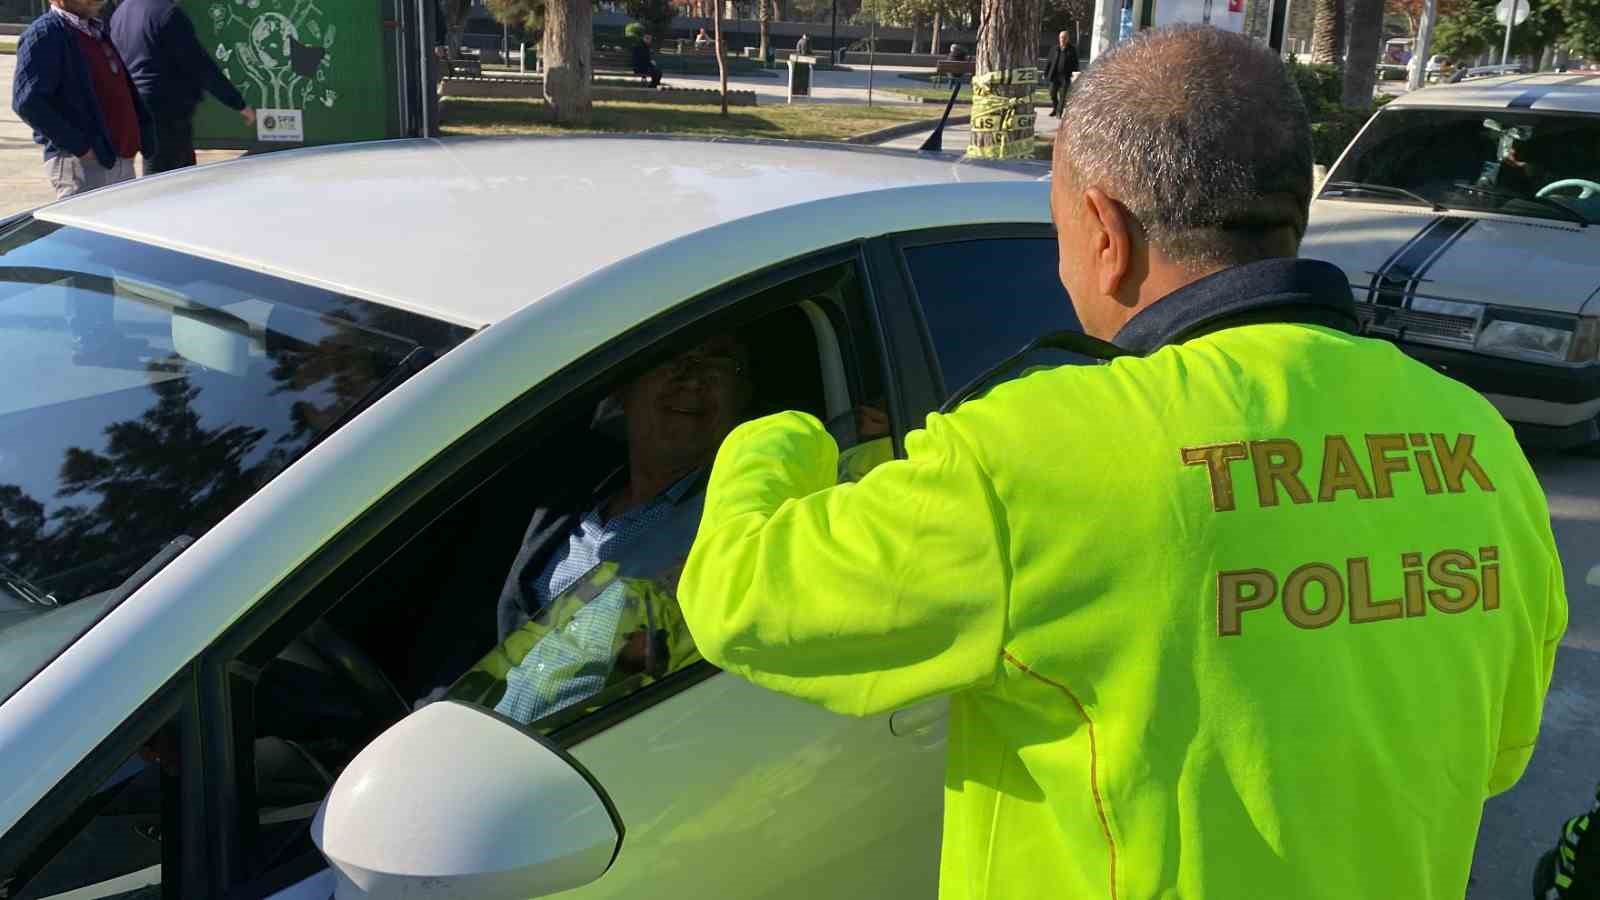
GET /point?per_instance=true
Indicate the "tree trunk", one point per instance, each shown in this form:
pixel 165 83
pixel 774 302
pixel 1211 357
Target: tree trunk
pixel 722 56
pixel 1366 40
pixel 568 53
pixel 916 36
pixel 1007 69
pixel 933 45
pixel 1547 59
pixel 764 25
pixel 1327 33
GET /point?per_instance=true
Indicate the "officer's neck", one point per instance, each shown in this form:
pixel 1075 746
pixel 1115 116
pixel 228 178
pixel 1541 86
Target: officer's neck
pixel 1150 280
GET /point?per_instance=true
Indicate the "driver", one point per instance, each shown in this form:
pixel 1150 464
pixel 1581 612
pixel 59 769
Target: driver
pixel 589 598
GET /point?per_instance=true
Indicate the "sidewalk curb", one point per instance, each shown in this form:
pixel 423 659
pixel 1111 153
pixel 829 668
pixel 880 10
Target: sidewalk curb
pixel 895 131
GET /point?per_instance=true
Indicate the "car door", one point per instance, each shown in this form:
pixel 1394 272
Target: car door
pixel 726 790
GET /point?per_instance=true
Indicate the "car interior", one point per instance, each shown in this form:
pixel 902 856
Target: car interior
pixel 429 613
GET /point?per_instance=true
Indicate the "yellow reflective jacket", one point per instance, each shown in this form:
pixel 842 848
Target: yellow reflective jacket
pixel 1265 614
pixel 650 641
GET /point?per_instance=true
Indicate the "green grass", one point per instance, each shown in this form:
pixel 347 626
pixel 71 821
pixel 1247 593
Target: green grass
pixel 815 122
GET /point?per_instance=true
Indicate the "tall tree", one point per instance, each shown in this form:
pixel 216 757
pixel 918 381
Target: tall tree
pixel 764 25
pixel 568 60
pixel 1366 43
pixel 722 55
pixel 1007 71
pixel 1327 33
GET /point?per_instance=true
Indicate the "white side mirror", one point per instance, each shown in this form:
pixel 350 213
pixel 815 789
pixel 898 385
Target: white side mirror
pixel 456 802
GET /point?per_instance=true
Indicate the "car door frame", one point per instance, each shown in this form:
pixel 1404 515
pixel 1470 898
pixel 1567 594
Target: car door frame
pixel 222 684
pixel 925 389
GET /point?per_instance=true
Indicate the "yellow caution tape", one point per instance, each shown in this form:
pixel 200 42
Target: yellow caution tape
pixel 1008 118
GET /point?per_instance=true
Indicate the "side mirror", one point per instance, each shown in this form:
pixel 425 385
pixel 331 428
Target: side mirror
pixel 456 802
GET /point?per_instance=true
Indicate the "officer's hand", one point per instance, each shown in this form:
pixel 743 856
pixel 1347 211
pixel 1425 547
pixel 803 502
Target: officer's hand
pixel 248 114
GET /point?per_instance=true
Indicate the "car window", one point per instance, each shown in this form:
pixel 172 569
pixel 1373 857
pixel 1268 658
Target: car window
pixel 1544 165
pixel 111 845
pixel 548 592
pixel 149 394
pixel 985 299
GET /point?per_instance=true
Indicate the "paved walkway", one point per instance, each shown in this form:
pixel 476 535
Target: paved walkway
pixel 22 180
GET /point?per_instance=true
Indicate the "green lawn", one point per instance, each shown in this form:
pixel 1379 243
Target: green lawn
pixel 816 122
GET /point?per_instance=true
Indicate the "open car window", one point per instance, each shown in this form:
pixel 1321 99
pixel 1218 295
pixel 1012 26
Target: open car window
pixel 150 394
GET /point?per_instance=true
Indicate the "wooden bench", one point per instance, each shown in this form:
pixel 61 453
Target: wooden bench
pixel 465 66
pixel 946 68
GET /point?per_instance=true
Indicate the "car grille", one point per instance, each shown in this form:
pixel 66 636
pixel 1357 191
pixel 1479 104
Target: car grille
pixel 1416 325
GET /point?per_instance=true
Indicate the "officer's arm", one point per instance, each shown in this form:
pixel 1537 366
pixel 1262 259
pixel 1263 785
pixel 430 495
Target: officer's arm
pixel 1519 730
pixel 861 597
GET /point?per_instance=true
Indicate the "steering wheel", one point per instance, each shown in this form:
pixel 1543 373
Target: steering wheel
pixel 377 694
pixel 1586 189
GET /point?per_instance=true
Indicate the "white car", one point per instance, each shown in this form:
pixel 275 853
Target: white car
pixel 1468 219
pixel 269 423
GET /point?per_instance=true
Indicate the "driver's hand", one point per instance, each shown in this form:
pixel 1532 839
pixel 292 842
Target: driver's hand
pixel 871 422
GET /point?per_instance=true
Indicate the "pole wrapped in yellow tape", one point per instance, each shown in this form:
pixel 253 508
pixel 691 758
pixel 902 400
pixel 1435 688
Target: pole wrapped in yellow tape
pixel 1002 114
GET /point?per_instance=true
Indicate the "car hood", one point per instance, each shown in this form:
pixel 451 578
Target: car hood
pixel 1464 256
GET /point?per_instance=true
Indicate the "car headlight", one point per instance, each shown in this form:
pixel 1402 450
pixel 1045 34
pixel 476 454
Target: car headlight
pixel 1525 339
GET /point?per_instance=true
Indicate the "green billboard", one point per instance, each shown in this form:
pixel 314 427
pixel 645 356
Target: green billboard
pixel 317 71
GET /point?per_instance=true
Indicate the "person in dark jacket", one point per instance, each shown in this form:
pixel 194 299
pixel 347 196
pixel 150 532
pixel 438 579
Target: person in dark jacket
pixel 171 70
pixel 643 64
pixel 1058 71
pixel 72 87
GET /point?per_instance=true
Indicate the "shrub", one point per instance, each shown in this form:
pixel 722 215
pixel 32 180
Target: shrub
pixel 1320 87
pixel 1334 131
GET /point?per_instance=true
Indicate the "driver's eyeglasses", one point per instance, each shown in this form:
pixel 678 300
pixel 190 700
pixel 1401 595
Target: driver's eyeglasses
pixel 712 368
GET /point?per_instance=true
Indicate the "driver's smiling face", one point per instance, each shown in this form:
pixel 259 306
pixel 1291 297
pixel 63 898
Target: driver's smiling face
pixel 680 411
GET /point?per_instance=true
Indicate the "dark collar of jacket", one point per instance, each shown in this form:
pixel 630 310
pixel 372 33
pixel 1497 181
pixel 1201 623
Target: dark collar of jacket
pixel 1304 291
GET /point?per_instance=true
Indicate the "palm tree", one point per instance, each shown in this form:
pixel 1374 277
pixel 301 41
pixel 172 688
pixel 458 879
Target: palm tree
pixel 1008 40
pixel 568 55
pixel 1361 62
pixel 1327 33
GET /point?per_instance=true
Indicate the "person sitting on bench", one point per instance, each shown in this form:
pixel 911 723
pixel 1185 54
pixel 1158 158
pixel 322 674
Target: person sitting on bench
pixel 643 64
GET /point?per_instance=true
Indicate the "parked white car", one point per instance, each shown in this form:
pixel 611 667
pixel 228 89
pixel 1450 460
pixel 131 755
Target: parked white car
pixel 1468 219
pixel 267 423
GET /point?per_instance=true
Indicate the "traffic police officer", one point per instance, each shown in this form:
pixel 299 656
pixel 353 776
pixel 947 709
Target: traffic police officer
pixel 1264 609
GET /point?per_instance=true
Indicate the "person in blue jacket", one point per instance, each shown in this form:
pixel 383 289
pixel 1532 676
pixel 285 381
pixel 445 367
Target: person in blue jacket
pixel 171 71
pixel 74 90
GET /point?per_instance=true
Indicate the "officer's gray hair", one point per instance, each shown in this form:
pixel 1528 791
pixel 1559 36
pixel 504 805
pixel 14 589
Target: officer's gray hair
pixel 1202 136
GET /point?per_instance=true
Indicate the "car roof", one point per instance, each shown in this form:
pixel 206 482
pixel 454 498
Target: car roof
pixel 1544 92
pixel 470 230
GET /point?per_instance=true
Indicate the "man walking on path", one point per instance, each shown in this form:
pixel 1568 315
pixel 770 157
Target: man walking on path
pixel 73 89
pixel 1058 71
pixel 170 69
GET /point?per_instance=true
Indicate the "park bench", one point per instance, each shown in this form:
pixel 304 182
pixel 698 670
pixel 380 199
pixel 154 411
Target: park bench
pixel 465 65
pixel 946 68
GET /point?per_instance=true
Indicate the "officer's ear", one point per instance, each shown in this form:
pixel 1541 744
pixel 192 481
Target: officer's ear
pixel 1113 241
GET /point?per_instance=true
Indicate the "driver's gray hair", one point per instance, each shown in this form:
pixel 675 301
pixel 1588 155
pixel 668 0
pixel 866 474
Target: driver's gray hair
pixel 1202 136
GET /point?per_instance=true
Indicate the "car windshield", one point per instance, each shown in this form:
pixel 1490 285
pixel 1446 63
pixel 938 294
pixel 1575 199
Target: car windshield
pixel 148 394
pixel 1540 164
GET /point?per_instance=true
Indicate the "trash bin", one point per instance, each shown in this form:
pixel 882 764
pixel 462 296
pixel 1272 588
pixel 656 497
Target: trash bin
pixel 317 73
pixel 800 75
